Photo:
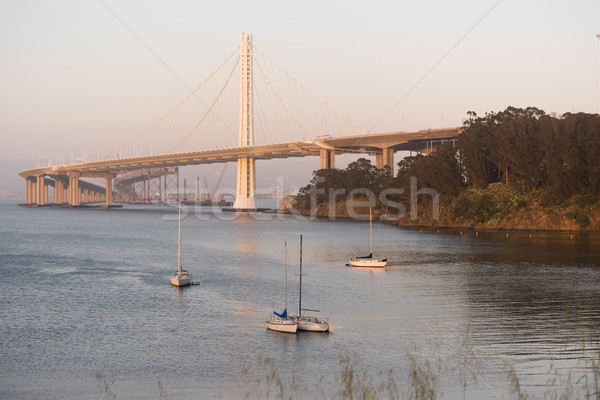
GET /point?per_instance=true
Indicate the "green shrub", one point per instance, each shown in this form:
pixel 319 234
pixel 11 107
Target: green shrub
pixel 581 220
pixel 584 199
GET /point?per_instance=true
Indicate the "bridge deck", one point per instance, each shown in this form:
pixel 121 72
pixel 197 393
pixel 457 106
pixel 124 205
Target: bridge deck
pixel 368 144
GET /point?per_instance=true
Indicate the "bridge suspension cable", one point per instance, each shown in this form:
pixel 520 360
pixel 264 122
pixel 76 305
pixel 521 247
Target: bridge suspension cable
pixel 185 99
pixel 304 88
pixel 210 109
pixel 285 109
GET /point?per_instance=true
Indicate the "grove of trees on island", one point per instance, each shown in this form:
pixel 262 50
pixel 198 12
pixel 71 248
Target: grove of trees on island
pixel 557 157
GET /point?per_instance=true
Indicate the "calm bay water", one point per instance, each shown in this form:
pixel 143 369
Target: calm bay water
pixel 86 292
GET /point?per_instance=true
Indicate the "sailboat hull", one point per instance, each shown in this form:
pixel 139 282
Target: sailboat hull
pixel 282 325
pixel 181 279
pixel 313 327
pixel 367 263
pixel 312 324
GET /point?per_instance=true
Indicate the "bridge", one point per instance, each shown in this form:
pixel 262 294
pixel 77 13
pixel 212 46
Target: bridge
pixel 307 125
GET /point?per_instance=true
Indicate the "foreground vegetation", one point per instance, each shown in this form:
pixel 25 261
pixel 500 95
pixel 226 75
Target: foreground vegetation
pixel 516 169
pixel 422 383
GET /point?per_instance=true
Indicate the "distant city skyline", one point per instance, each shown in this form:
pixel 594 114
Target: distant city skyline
pixel 77 77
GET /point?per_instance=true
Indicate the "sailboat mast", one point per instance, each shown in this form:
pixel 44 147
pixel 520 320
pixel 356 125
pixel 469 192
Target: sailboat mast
pixel 285 275
pixel 371 230
pixel 179 239
pixel 300 292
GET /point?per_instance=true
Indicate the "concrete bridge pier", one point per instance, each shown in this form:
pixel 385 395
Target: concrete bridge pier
pixel 27 191
pixel 385 158
pixel 244 196
pixel 38 191
pixel 65 193
pixel 30 189
pixel 74 191
pixel 327 158
pixel 41 191
pixel 59 191
pixel 109 177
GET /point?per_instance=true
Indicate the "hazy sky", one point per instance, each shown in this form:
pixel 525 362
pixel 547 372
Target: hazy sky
pixel 73 76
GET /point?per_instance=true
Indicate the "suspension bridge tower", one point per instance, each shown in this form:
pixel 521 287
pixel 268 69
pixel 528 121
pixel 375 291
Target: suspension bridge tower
pixel 244 199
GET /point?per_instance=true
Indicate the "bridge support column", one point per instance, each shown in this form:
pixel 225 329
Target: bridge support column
pixel 33 190
pixel 385 158
pixel 64 196
pixel 26 191
pixel 244 199
pixel 109 178
pixel 30 190
pixel 66 191
pixel 244 196
pixel 74 190
pixel 58 191
pixel 327 159
pixel 388 157
pixel 40 191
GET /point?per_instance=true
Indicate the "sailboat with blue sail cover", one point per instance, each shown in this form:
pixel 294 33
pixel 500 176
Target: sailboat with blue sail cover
pixel 279 321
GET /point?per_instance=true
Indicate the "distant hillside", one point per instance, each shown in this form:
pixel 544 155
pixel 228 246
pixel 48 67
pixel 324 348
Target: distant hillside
pixel 11 184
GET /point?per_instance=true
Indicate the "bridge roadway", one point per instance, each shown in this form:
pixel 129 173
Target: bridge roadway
pixel 66 177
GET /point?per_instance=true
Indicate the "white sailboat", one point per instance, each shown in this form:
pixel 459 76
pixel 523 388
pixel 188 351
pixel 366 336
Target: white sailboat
pixel 306 322
pixel 368 261
pixel 181 277
pixel 281 322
